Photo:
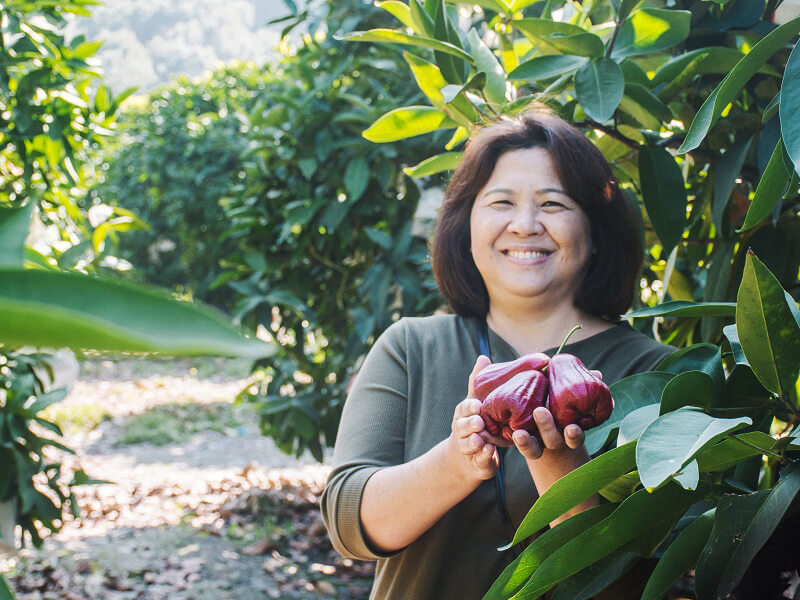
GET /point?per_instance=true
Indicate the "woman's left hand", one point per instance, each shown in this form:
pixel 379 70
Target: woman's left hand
pixel 556 455
pixel 553 441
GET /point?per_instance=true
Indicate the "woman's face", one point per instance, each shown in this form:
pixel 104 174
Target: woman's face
pixel 528 238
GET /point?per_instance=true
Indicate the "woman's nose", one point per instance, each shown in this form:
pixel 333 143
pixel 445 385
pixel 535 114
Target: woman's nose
pixel 526 221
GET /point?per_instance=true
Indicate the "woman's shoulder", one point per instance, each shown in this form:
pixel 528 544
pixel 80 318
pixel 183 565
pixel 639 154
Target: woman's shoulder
pixel 433 331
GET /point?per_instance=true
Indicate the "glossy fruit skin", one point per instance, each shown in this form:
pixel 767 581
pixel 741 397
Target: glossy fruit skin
pixel 510 406
pixel 577 395
pixel 495 375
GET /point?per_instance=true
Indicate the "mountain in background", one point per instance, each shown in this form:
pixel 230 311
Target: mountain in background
pixel 149 43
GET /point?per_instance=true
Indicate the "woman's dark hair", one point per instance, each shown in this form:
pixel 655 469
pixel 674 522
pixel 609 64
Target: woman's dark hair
pixel 608 286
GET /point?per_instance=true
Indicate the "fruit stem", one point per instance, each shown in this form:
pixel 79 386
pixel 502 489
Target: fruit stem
pixel 564 343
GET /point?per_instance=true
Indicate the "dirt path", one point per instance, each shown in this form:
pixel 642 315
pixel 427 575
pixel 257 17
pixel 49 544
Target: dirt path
pixel 216 513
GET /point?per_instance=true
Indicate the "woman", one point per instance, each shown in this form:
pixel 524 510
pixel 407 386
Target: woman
pixel 534 237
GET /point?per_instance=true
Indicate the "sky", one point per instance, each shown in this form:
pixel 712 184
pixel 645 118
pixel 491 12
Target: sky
pixel 147 43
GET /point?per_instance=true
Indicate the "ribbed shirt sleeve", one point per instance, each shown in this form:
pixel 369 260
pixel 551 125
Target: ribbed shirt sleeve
pixel 371 436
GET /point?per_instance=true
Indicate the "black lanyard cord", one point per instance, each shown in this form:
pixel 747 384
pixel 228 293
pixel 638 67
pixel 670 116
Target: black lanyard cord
pixel 499 479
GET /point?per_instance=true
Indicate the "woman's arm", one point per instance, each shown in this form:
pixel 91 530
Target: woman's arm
pixel 557 455
pixel 402 502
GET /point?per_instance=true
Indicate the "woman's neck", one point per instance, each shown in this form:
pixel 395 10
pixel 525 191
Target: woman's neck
pixel 540 329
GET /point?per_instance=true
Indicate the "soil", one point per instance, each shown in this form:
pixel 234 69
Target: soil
pixel 223 515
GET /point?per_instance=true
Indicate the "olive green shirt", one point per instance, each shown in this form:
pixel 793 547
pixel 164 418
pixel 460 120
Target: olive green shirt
pixel 401 405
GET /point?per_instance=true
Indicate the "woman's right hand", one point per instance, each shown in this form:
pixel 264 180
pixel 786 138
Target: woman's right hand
pixel 473 447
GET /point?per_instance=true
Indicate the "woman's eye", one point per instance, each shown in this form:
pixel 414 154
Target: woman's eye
pixel 553 204
pixel 502 202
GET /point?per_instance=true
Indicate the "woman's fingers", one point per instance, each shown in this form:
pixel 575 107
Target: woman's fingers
pixel 551 436
pixel 467 426
pixel 528 446
pixel 574 436
pixel 480 364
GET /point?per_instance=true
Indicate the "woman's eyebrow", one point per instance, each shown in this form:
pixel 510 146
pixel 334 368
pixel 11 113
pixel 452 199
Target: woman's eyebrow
pixel 511 192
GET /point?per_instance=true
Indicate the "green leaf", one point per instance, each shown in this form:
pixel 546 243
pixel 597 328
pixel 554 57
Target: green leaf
pixel 644 106
pixel 91 313
pixel 423 23
pixel 626 7
pixel 14 225
pixel 768 332
pixel 690 388
pixel 680 556
pixel 629 394
pixel 486 62
pixel 407 122
pixel 621 487
pixel 637 514
pixel 688 478
pixel 575 487
pixel 698 357
pixel 681 308
pixel 401 12
pixel 664 194
pixel 580 44
pixel 544 67
pixel 537 29
pixel 635 422
pixel 729 88
pixel 398 37
pixel 771 108
pixel 736 346
pixel 6 593
pixel 651 29
pixel 599 86
pixel 729 452
pixel 356 177
pixel 733 515
pixel 672 440
pixel 726 172
pixel 514 575
pixel 446 161
pixel 790 107
pixel 770 189
pixel 596 577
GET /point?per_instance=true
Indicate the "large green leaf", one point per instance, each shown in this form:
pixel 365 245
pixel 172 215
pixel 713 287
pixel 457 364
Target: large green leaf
pixel 698 357
pixel 690 388
pixel 514 575
pixel 446 161
pixel 681 308
pixel 732 518
pixel 770 189
pixel 14 225
pixel 599 86
pixel 638 514
pixel 581 44
pixel 651 29
pixel 596 577
pixel 575 487
pixel 645 107
pixel 398 37
pixel 768 332
pixel 664 194
pixel 674 439
pixel 50 309
pixel 544 67
pixel 401 12
pixel 733 450
pixel 790 107
pixel 629 394
pixel 407 122
pixel 730 87
pixel 486 62
pixel 535 29
pixel 680 556
pixel 635 422
pixel 6 593
pixel 431 81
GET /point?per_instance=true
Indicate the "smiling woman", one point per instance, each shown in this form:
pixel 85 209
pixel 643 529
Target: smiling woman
pixel 533 237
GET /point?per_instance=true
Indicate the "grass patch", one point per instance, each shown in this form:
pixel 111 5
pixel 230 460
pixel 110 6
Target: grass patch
pixel 72 418
pixel 177 422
